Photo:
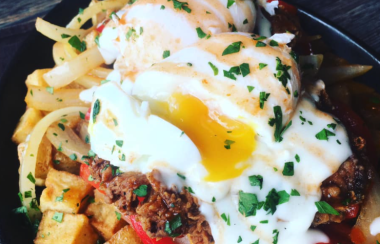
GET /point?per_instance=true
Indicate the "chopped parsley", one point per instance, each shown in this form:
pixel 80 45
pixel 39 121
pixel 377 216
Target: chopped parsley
pixel 284 197
pixel 288 169
pixel 282 72
pixel 271 201
pixel 263 98
pixel 260 44
pixel 95 110
pixel 233 48
pixel 58 217
pixel 297 157
pixel 81 11
pixel 262 66
pixel 131 32
pixel 118 215
pixel 64 36
pixel 256 180
pixel 119 143
pixel 295 193
pixel 260 38
pixel 228 143
pixel 141 191
pixel 257 241
pixel 337 141
pixel 277 122
pixel 141 30
pixel 214 68
pixel 213 199
pixel 248 204
pixel 331 126
pixel 275 236
pixel 27 194
pixel 172 225
pixel 324 135
pixel 200 33
pixel 50 90
pixel 264 222
pixel 181 5
pixel 166 54
pixel 77 44
pixel 82 115
pixel 239 239
pixel 181 176
pixel 73 157
pixel 189 189
pixel 226 218
pixel 61 126
pixel 31 178
pixel 244 68
pixel 230 3
pixel 162 7
pixel 253 227
pixel 273 43
pixel 229 74
pixel 232 27
pixel 295 93
pixel 325 208
pixel 250 88
pixel 245 22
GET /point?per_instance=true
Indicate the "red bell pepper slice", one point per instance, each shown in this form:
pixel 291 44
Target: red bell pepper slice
pixel 288 7
pixel 144 236
pixel 85 175
pixel 88 114
pixel 352 211
pixel 100 28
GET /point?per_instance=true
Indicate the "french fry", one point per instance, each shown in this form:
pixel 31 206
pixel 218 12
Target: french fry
pixel 63 163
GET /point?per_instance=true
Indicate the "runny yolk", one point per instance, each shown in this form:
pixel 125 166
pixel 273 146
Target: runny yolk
pixel 225 146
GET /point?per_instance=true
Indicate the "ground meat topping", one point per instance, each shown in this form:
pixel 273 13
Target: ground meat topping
pixel 154 210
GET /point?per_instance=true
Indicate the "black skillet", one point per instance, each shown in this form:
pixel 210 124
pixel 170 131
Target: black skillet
pixel 36 53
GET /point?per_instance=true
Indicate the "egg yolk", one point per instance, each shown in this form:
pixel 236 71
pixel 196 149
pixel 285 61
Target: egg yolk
pixel 224 144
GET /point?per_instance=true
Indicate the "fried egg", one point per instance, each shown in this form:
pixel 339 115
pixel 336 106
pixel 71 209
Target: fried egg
pixel 204 119
pixel 147 31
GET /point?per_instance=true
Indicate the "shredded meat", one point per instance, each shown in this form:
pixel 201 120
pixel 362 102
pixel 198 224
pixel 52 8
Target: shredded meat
pixel 346 188
pixel 158 207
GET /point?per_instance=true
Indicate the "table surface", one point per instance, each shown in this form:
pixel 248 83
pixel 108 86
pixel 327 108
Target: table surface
pixel 357 17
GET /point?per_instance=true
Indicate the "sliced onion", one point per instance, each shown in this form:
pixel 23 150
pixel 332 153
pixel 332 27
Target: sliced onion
pixel 67 142
pixel 370 211
pixel 88 13
pixel 40 99
pixel 28 166
pixel 69 71
pixel 310 64
pixel 55 32
pixel 88 81
pixel 36 78
pixel 101 72
pixel 335 74
pixel 63 52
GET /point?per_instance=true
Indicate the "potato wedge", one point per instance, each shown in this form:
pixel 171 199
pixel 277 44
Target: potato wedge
pixel 66 229
pixel 26 125
pixel 65 192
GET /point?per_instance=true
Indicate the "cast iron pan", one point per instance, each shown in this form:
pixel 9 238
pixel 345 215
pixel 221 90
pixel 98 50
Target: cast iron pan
pixel 36 53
